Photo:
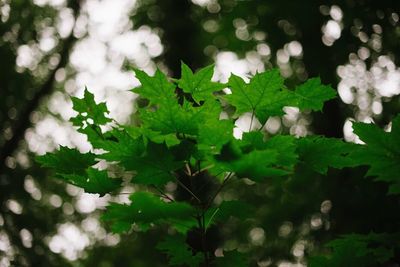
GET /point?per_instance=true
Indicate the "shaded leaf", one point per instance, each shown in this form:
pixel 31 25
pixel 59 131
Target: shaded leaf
pixel 179 253
pixel 381 152
pixel 67 161
pixel 146 209
pixel 95 181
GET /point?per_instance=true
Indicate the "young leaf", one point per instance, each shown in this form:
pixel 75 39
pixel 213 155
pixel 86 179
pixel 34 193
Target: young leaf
pixel 179 253
pixel 89 111
pixel 199 84
pixel 381 153
pixel 144 210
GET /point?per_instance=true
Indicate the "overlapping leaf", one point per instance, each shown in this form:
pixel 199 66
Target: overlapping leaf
pixel 319 153
pixel 382 152
pixel 173 118
pixel 359 251
pixel 75 168
pixel 199 85
pixel 67 160
pixel 264 95
pixel 153 163
pixel 95 181
pixel 144 210
pixel 179 253
pixel 157 89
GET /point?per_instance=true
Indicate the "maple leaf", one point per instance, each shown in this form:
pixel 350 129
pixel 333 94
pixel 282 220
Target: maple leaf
pixel 199 85
pixel 312 95
pixel 174 118
pixel 67 161
pixel 320 153
pixel 74 167
pixel 95 181
pixel 359 250
pixel 157 89
pixel 381 152
pixel 179 253
pixel 144 210
pixel 89 112
pixel 264 95
pixel 213 134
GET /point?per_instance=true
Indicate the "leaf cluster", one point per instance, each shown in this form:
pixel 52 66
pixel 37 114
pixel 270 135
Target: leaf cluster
pixel 185 138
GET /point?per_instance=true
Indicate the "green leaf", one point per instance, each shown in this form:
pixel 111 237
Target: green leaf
pixel 121 147
pixel 264 95
pixel 156 89
pixel 156 165
pixel 67 161
pixel 227 209
pixel 199 85
pixel 286 147
pixel 359 251
pixel 312 95
pixel 255 165
pixel 147 209
pixel 319 153
pixel 90 112
pixel 95 181
pixel 381 152
pixel 174 118
pixel 214 134
pixel 232 258
pixel 153 163
pixel 179 253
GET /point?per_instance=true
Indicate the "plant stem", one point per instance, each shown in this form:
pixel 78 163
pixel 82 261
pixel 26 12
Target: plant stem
pixel 163 194
pixel 187 189
pixel 218 190
pixel 251 121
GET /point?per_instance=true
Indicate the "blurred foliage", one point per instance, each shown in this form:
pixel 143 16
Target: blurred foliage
pixel 343 201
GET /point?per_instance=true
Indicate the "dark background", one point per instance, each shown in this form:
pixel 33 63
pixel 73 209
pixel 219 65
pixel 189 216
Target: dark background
pixel 296 218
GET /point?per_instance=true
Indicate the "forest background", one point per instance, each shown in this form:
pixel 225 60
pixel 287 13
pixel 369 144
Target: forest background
pixel 51 49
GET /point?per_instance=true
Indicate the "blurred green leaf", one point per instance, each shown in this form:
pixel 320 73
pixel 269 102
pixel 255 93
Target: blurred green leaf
pixel 179 253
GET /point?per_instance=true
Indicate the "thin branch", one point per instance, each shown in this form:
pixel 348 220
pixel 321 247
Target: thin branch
pixel 212 217
pixel 163 194
pixel 251 121
pixel 202 170
pixel 217 192
pixel 187 189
